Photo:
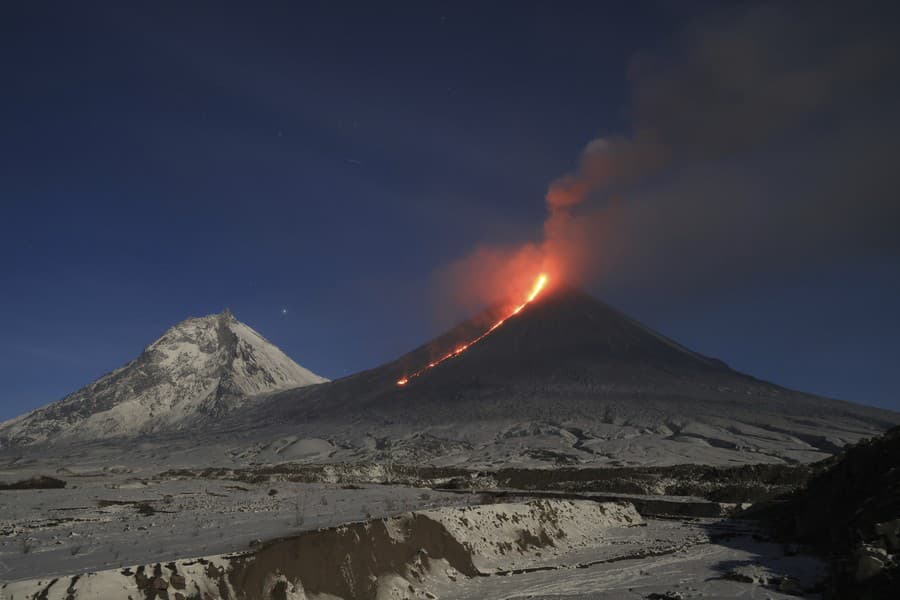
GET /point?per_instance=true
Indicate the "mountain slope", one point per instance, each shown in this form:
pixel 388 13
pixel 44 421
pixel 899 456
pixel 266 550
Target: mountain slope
pixel 199 370
pixel 572 380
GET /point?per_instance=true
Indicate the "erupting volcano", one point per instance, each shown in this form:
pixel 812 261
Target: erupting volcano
pixel 539 284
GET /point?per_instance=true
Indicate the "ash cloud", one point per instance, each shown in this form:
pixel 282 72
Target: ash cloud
pixel 763 139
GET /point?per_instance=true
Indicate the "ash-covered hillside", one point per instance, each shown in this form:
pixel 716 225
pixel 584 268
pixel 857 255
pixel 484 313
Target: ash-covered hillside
pixel 569 380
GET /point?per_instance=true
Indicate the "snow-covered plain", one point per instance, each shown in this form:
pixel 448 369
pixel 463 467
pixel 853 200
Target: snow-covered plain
pixel 122 516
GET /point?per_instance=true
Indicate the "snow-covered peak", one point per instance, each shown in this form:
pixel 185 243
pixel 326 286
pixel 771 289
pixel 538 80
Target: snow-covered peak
pixel 196 371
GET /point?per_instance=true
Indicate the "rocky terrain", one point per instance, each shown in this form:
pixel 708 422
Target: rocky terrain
pixel 850 512
pixel 748 483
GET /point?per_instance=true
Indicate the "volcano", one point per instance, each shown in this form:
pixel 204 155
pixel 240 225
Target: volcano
pixel 571 380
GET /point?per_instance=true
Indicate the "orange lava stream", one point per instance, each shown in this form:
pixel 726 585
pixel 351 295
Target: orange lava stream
pixel 539 285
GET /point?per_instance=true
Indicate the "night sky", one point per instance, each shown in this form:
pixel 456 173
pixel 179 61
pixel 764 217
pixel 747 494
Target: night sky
pixel 317 167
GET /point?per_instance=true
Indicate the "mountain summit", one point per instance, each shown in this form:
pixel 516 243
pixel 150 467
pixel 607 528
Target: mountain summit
pixel 199 370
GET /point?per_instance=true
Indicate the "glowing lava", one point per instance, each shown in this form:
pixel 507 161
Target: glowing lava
pixel 539 285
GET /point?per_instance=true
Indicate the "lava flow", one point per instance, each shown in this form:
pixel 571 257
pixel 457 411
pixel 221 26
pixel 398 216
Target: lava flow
pixel 539 285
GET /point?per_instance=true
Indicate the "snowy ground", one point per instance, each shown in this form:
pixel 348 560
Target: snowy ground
pixel 587 551
pixel 105 520
pixel 110 518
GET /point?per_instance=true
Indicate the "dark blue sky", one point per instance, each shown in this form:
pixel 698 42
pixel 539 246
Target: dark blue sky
pixel 162 162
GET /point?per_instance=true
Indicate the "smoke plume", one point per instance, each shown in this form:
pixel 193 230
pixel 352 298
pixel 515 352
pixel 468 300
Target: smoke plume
pixel 762 140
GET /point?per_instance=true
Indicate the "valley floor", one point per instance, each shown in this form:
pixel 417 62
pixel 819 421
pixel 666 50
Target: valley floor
pixel 110 519
pixel 103 520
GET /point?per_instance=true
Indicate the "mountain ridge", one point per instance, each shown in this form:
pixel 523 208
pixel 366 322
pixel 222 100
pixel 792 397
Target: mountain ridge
pixel 569 380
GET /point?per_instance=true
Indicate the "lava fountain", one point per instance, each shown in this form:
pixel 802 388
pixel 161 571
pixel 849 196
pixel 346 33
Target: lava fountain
pixel 539 284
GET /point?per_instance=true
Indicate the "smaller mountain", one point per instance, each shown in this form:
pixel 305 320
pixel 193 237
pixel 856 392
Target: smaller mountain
pixel 198 371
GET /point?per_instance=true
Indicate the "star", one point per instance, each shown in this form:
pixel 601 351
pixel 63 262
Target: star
pixel 284 311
